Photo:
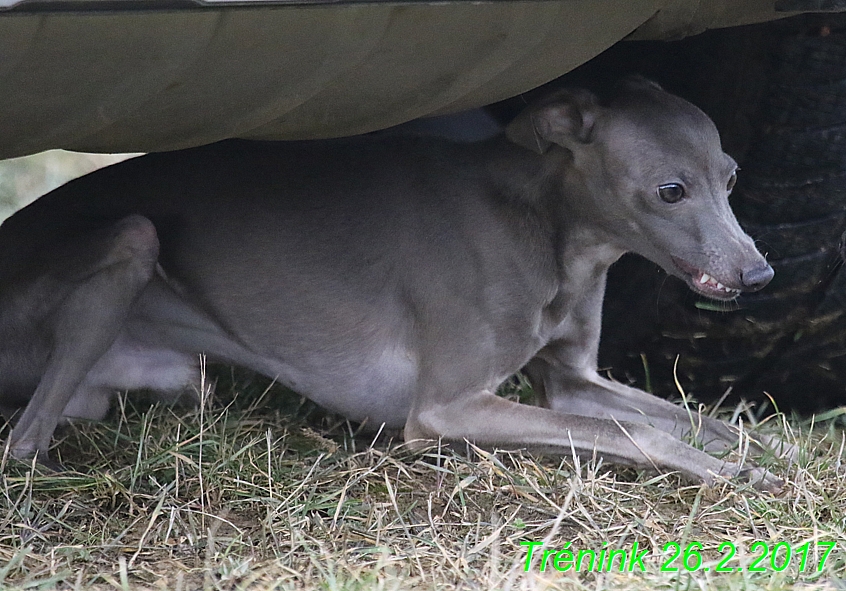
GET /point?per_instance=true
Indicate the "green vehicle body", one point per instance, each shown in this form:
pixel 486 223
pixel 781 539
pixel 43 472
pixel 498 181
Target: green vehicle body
pixel 140 76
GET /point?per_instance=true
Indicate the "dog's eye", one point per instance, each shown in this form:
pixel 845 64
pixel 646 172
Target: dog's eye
pixel 671 193
pixel 732 181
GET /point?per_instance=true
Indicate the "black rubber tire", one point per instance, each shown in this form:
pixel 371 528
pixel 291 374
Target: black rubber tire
pixel 789 134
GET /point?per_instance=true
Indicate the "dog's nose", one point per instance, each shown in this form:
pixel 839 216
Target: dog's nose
pixel 757 278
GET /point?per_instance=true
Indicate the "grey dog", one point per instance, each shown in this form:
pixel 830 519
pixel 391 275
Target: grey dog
pixel 398 281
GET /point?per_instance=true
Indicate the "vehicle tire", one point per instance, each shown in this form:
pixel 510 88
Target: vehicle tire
pixel 778 94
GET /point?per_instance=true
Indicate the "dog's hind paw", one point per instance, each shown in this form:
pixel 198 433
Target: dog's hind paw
pixel 48 465
pixel 43 463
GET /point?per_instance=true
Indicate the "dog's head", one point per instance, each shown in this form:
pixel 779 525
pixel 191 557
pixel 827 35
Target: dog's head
pixel 655 181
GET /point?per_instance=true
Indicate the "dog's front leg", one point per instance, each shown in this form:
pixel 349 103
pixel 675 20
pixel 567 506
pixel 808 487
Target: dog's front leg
pixel 84 294
pixel 564 375
pixel 490 421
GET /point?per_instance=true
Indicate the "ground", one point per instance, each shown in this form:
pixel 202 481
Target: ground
pixel 258 489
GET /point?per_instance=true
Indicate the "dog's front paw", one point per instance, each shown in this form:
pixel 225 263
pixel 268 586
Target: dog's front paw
pixel 759 478
pixel 777 445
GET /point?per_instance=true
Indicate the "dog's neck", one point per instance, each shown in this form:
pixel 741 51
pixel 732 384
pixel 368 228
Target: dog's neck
pixel 551 191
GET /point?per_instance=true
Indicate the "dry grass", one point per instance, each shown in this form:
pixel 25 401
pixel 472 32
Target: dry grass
pixel 258 490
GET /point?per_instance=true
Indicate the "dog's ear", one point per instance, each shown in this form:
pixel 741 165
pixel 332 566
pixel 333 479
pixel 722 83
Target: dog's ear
pixel 564 118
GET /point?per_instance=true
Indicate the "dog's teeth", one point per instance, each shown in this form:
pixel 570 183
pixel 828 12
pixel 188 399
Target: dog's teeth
pixel 720 285
pixel 705 277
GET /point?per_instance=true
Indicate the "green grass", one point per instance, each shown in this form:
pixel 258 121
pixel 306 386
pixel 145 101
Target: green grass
pixel 260 490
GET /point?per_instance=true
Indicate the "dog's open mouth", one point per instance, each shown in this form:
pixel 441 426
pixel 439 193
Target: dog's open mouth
pixel 703 283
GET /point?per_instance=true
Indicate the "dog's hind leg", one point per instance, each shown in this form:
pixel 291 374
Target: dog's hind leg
pixel 83 294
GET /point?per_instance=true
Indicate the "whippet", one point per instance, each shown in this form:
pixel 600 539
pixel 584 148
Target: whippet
pixel 398 280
